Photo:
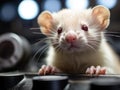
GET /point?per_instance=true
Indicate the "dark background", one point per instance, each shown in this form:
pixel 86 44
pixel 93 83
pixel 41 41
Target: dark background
pixel 23 27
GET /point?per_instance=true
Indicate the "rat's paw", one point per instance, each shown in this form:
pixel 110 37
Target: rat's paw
pixel 48 70
pixel 96 70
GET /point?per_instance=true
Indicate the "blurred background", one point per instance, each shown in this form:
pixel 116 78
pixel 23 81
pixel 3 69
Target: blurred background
pixel 18 21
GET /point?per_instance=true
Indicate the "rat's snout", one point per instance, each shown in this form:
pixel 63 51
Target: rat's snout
pixel 71 37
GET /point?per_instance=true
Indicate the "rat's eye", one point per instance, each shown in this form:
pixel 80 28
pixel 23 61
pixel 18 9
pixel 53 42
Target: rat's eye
pixel 59 30
pixel 84 27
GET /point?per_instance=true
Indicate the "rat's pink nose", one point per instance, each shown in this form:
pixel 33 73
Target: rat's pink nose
pixel 71 38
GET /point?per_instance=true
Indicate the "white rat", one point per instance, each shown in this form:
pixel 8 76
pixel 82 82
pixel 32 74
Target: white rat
pixel 77 41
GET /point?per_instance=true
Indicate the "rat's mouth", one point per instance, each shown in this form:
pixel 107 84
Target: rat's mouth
pixel 70 47
pixel 73 48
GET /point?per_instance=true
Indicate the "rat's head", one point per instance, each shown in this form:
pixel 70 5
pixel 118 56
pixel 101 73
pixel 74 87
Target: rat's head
pixel 75 31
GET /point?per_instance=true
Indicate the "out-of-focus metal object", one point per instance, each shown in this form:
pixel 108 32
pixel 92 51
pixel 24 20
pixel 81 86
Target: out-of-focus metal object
pixel 15 51
pixel 105 84
pixel 49 82
pixel 10 81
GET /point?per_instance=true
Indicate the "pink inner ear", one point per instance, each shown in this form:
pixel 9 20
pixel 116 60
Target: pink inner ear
pixel 102 16
pixel 45 22
pixel 44 27
pixel 95 12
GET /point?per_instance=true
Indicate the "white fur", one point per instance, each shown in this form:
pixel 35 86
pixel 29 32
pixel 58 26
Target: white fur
pixel 77 60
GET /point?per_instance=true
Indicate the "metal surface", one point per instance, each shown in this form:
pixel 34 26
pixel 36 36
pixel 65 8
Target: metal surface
pixel 76 82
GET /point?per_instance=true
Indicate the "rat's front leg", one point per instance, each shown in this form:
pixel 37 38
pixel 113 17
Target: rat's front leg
pixel 96 70
pixel 47 69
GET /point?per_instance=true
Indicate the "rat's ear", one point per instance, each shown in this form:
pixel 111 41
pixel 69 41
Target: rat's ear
pixel 45 22
pixel 102 14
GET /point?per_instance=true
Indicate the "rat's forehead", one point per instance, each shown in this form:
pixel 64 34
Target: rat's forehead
pixel 71 18
pixel 66 17
pixel 65 14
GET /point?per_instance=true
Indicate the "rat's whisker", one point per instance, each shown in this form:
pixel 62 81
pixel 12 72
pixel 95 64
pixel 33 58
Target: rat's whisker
pixel 38 33
pixel 34 28
pixel 55 42
pixel 93 43
pixel 57 48
pixel 43 50
pixel 94 40
pixel 43 40
pixel 111 35
pixel 38 52
pixel 91 47
pixel 51 37
pixel 95 34
pixel 52 32
pixel 112 32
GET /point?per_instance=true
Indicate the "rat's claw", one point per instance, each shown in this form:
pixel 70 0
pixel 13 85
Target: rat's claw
pixel 90 70
pixel 47 70
pixel 96 70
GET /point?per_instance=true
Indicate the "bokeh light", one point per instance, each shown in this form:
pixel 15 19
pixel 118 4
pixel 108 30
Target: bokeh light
pixel 77 4
pixel 28 9
pixel 7 12
pixel 52 5
pixel 108 3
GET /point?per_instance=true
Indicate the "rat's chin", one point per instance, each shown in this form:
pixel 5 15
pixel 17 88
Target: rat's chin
pixel 75 49
pixel 71 49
